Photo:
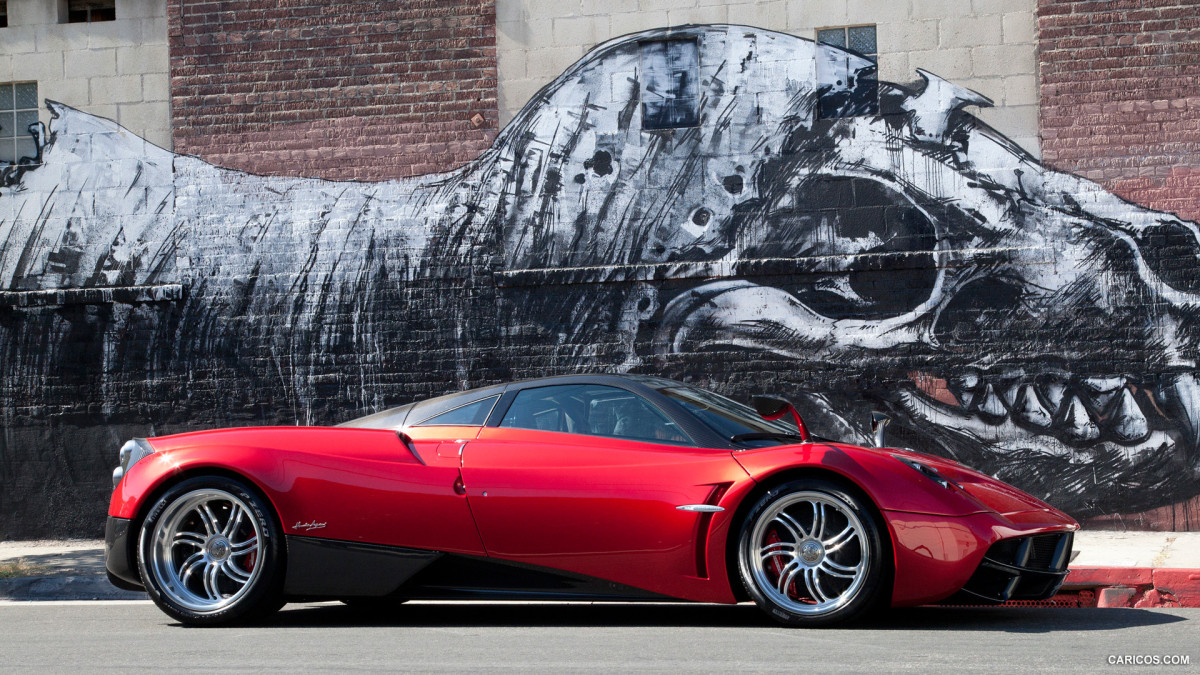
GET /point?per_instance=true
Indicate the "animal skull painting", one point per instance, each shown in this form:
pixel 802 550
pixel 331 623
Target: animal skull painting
pixel 707 202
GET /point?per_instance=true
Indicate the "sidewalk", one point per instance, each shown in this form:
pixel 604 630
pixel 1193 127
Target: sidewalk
pixel 1112 569
pixel 71 569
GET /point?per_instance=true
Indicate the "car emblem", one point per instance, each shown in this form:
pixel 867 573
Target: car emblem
pixel 311 525
pixel 810 551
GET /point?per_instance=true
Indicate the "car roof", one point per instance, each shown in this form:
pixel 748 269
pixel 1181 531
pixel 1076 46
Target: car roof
pixel 421 410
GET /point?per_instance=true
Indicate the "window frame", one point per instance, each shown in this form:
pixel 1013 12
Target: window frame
pixel 65 11
pixel 426 422
pixel 9 142
pixel 871 56
pixel 694 40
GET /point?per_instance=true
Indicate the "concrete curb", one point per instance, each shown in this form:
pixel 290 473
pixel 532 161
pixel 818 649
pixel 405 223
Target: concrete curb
pixel 70 587
pixel 1136 587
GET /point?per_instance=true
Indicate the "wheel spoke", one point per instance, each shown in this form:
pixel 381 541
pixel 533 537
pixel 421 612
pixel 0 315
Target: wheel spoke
pixel 778 548
pixel 814 585
pixel 786 575
pixel 244 547
pixel 840 539
pixel 834 572
pixel 235 519
pixel 210 521
pixel 189 566
pixel 840 567
pixel 818 526
pixel 234 572
pixel 789 523
pixel 210 581
pixel 188 538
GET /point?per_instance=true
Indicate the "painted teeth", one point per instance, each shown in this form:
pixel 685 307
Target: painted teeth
pixel 1078 425
pixel 1027 408
pixel 1077 410
pixel 990 405
pixel 1181 398
pixel 1129 424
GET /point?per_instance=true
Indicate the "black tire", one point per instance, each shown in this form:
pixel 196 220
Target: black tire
pixel 222 528
pixel 824 580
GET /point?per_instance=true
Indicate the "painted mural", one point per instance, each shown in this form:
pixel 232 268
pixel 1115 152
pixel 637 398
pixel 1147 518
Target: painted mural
pixel 741 208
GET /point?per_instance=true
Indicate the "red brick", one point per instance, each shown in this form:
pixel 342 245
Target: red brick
pixel 337 90
pixel 1118 97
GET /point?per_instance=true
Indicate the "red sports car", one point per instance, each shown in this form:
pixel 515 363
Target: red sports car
pixel 578 487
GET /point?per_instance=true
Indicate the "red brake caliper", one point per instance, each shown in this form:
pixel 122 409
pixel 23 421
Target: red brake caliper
pixel 776 564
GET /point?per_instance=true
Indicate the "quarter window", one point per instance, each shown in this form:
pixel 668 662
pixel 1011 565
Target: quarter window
pixel 593 410
pixel 471 414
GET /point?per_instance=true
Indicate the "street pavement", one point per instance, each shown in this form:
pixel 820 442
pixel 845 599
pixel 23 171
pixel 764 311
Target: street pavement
pixel 567 637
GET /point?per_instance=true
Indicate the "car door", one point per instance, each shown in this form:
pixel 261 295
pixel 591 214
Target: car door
pixel 588 479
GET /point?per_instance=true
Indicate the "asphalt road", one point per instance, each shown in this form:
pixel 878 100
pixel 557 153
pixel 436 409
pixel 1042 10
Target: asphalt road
pixel 91 636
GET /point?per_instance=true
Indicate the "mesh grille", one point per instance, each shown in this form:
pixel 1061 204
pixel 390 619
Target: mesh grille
pixel 1042 555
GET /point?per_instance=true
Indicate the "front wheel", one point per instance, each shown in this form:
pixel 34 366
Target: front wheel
pixel 810 554
pixel 210 553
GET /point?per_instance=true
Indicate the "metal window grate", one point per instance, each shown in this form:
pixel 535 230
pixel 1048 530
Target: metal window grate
pixel 18 109
pixel 670 75
pixel 847 89
pixel 89 11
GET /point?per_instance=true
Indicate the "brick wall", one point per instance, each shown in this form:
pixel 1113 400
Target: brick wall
pixel 1121 97
pixel 347 90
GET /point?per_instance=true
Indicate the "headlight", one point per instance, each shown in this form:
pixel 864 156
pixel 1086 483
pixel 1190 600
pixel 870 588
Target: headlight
pixel 131 453
pixel 929 472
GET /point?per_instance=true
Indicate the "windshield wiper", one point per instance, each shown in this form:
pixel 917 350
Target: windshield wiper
pixel 766 436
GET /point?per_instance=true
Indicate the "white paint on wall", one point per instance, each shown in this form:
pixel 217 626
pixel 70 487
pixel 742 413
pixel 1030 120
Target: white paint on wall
pixel 987 46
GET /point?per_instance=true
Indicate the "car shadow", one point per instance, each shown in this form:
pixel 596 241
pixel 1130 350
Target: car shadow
pixel 991 619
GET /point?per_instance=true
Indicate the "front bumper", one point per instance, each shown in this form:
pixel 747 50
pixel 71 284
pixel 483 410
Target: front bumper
pixel 122 571
pixel 937 556
pixel 1021 568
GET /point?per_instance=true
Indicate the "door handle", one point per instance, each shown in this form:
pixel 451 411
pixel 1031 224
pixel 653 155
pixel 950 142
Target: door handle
pixel 459 487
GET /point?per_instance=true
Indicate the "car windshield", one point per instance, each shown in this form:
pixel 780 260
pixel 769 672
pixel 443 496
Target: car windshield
pixel 731 419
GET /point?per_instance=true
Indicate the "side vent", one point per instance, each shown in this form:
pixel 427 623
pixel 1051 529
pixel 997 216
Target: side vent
pixel 702 525
pixel 412 447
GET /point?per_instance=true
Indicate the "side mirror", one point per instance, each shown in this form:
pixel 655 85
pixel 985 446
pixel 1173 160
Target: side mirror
pixel 771 408
pixel 879 422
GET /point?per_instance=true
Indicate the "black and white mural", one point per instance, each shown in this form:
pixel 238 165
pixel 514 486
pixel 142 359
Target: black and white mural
pixel 741 208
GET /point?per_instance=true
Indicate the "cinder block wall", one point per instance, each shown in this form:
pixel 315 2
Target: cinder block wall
pixel 346 90
pixel 985 45
pixel 115 69
pixel 1121 97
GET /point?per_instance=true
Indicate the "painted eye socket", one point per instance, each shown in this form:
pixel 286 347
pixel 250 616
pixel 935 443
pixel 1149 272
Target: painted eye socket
pixel 864 250
pixel 1166 246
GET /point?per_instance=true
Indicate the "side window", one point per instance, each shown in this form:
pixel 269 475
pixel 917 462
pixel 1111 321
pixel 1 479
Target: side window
pixel 594 410
pixel 471 414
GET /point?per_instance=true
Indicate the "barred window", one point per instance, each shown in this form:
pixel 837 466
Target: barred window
pixel 670 89
pixel 18 110
pixel 844 91
pixel 87 11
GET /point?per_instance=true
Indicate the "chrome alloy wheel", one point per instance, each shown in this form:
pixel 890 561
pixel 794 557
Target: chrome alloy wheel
pixel 205 549
pixel 808 552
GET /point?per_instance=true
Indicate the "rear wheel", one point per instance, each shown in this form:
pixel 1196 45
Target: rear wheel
pixel 210 553
pixel 810 553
